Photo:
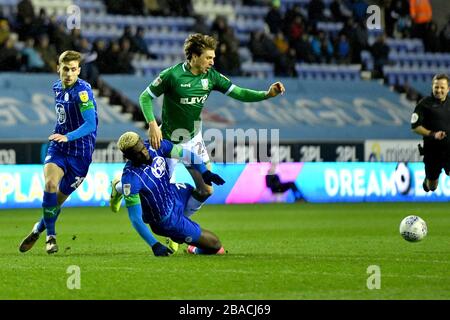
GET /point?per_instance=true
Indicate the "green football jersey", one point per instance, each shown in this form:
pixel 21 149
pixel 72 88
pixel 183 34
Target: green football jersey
pixel 184 97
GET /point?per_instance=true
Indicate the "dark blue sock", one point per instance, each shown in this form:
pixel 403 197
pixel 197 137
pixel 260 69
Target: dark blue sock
pixel 41 225
pixel 50 209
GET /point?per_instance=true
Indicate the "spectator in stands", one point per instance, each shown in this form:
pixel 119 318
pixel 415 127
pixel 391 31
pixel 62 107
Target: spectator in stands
pixel 200 25
pixel 444 37
pixel 4 31
pixel 42 24
pixel 421 15
pixel 125 57
pixel 219 27
pixel 281 42
pixel 58 36
pixel 75 39
pixel 48 53
pixel 32 61
pixel 128 35
pixel 262 47
pixel 303 49
pixel 343 50
pixel 139 45
pixel 274 17
pixel 395 13
pixel 289 17
pixel 99 46
pixel 10 58
pixel 284 65
pixel 25 11
pixel 227 60
pixel 380 54
pixel 359 40
pixel 315 11
pixel 339 11
pixel 359 10
pixel 24 19
pixel 89 69
pixel 225 34
pixel 296 29
pixel 111 58
pixel 322 48
pixel 431 40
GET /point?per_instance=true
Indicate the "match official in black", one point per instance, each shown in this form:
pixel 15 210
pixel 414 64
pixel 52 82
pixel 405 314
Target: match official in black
pixel 431 119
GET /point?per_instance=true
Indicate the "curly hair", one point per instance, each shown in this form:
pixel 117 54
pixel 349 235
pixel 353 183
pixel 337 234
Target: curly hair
pixel 197 43
pixel 127 140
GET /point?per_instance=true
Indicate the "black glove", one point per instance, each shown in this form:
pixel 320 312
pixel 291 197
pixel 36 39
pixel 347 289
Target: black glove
pixel 210 177
pixel 160 250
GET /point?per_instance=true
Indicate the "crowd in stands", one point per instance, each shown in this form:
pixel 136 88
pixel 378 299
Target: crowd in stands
pixel 31 43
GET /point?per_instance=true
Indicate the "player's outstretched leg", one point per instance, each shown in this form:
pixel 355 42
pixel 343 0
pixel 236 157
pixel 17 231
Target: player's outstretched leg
pixel 116 197
pixel 199 195
pixel 208 243
pixel 31 239
pixel 51 212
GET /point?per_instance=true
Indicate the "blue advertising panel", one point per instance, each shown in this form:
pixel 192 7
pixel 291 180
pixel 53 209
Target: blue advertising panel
pixel 368 182
pixel 21 186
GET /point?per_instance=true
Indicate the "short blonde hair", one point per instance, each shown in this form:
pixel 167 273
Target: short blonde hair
pixel 69 55
pixel 127 140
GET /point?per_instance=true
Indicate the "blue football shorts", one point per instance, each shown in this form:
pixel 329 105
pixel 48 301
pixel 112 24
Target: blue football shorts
pixel 177 226
pixel 75 169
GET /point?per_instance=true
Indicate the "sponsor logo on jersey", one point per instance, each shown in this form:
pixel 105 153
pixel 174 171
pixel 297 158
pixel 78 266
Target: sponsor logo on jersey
pixel 60 113
pixel 185 85
pixel 157 82
pixel 158 167
pixel 126 188
pixel 414 117
pixel 205 84
pixel 84 96
pixel 194 100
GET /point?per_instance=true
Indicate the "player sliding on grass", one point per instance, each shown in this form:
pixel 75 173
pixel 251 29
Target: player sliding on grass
pixel 72 144
pixel 186 86
pixel 152 199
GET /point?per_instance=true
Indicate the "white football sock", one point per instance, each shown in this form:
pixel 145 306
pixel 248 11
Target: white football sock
pixel 118 187
pixel 192 206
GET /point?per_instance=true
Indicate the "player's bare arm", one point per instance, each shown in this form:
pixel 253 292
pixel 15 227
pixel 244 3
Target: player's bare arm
pixel 154 134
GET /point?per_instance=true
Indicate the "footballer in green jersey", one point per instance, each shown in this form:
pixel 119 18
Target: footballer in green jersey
pixel 185 87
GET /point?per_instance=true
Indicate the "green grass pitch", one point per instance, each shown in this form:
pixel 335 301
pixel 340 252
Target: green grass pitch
pixel 275 251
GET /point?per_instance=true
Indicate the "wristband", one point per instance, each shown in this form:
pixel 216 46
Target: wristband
pixel 432 134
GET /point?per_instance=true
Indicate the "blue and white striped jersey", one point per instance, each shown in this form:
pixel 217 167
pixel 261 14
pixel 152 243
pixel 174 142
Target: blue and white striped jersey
pixel 69 104
pixel 152 183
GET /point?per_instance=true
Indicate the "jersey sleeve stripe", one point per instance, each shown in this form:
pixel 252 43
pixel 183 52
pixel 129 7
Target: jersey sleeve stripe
pixel 151 93
pixel 230 89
